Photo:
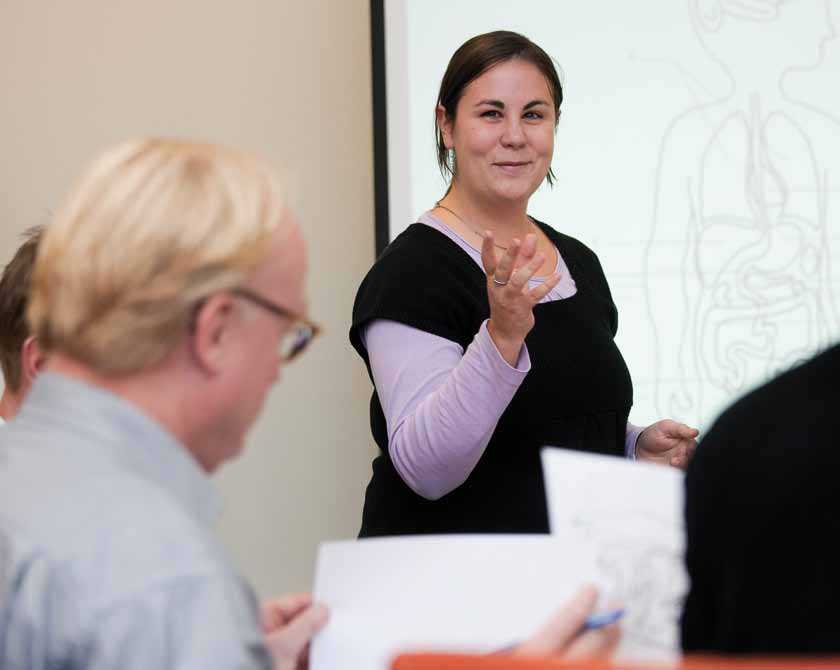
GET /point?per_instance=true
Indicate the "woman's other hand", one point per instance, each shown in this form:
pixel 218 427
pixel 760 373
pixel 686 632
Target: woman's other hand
pixel 511 300
pixel 667 442
pixel 564 635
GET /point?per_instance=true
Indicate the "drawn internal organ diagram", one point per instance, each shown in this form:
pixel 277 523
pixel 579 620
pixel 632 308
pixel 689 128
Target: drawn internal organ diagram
pixel 640 559
pixel 761 251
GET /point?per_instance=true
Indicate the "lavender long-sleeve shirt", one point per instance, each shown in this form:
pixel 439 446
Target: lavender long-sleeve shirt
pixel 438 425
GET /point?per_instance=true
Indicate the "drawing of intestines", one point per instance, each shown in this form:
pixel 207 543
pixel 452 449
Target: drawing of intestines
pixel 745 231
pixel 652 580
pixel 640 559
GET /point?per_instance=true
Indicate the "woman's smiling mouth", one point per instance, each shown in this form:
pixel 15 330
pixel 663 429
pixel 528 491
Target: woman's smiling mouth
pixel 512 167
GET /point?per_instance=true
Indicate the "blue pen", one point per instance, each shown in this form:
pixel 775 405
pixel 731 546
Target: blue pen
pixel 604 619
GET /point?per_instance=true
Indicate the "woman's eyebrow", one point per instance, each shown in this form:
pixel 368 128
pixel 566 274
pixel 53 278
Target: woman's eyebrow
pixel 492 103
pixel 498 104
pixel 535 103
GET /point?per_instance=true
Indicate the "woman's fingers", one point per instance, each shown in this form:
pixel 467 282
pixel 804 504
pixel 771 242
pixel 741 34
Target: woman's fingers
pixel 522 254
pixel 539 292
pixel 683 455
pixel 488 253
pixel 521 276
pixel 506 264
pixel 529 248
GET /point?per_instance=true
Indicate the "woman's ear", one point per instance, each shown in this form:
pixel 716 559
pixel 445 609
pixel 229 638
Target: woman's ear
pixel 444 124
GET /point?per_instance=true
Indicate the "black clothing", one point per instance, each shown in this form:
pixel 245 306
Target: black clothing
pixel 763 519
pixel 577 395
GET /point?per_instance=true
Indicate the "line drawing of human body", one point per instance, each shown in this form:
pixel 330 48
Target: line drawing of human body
pixel 746 213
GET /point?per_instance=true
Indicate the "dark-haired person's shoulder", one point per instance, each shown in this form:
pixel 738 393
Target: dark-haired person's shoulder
pixel 784 413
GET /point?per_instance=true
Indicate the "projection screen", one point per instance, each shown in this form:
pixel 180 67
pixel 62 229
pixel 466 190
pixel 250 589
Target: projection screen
pixel 698 154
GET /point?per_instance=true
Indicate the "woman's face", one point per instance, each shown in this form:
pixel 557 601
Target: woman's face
pixel 503 133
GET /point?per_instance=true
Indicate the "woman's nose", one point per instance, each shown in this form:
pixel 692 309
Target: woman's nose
pixel 513 134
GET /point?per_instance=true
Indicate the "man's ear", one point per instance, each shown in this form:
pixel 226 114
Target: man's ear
pixel 211 333
pixel 444 124
pixel 32 359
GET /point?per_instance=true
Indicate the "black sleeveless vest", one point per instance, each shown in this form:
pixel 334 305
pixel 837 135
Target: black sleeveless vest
pixel 577 394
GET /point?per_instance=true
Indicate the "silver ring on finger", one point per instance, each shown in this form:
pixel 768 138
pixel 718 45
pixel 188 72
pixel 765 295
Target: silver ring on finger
pixel 498 282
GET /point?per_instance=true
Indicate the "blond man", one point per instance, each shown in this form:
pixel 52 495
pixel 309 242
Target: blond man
pixel 20 355
pixel 168 293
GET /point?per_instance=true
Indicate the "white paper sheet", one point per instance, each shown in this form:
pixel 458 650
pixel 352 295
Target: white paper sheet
pixel 472 593
pixel 630 515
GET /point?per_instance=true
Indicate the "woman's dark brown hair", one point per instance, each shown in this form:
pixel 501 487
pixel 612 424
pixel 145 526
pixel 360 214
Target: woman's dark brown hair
pixel 472 59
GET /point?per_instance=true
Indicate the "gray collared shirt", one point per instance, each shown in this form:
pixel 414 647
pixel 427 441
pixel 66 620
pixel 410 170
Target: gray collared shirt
pixel 107 558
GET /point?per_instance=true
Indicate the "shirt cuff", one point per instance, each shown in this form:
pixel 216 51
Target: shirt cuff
pixel 631 436
pixel 513 374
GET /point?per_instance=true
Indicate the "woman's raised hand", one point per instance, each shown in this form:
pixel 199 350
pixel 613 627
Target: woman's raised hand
pixel 511 300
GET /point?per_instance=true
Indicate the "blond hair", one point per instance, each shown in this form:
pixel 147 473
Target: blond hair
pixel 152 227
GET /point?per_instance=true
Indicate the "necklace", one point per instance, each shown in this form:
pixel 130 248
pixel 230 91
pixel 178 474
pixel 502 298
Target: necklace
pixel 457 216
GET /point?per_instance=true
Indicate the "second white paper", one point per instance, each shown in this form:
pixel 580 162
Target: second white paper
pixel 473 593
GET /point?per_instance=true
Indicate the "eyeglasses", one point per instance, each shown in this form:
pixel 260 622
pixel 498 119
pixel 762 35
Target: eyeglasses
pixel 295 341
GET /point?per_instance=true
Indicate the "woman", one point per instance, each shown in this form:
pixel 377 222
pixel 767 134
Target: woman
pixel 488 334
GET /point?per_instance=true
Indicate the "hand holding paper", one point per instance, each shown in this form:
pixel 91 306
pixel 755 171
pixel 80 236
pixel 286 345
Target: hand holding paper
pixel 289 622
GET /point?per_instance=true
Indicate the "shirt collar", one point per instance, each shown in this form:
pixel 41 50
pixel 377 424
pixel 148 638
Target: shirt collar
pixel 105 427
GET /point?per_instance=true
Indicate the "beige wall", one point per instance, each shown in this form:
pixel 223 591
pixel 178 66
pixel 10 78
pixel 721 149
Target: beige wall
pixel 290 80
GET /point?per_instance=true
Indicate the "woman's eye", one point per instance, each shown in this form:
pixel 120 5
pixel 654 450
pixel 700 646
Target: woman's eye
pixel 491 113
pixel 533 115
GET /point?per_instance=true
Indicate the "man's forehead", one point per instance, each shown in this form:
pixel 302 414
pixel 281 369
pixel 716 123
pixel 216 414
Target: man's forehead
pixel 287 249
pixel 282 273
